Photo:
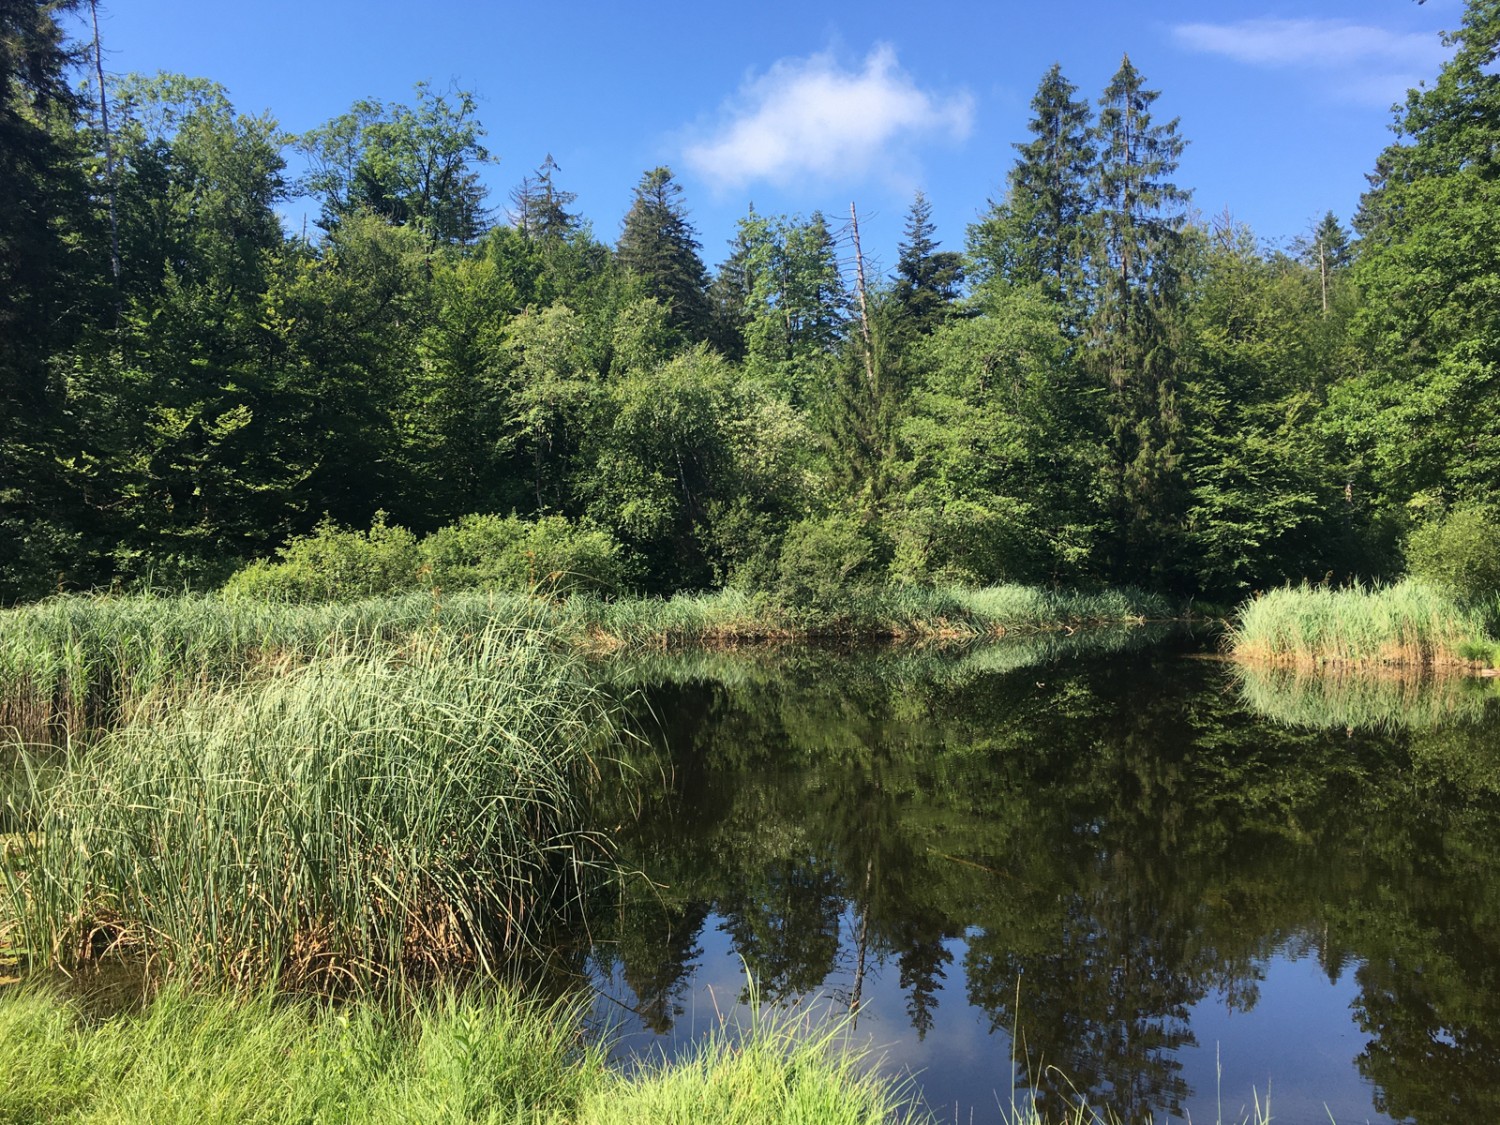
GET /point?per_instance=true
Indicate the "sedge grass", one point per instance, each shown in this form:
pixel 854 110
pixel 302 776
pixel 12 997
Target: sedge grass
pixel 1409 623
pixel 377 813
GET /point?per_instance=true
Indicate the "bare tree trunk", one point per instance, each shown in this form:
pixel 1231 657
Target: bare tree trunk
pixel 859 289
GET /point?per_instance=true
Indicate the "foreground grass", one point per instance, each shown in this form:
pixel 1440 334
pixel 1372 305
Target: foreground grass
pixel 193 1058
pixel 1406 624
pixel 73 662
pixel 381 813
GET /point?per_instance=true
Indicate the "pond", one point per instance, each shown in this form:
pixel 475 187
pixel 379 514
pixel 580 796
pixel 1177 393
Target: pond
pixel 1101 866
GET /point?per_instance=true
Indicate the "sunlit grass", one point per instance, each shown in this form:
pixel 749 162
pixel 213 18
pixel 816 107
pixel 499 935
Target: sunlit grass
pixel 192 1058
pixel 1406 624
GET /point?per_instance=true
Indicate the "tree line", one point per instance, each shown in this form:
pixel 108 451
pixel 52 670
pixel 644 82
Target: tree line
pixel 1102 387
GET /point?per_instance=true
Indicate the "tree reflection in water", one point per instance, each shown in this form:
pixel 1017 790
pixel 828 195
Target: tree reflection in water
pixel 1110 840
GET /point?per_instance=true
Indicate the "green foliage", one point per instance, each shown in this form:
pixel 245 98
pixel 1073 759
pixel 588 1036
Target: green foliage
pixel 826 562
pixel 1000 428
pixel 1460 552
pixel 509 553
pixel 334 564
pixel 1424 414
pixel 794 301
pixel 410 165
pixel 683 443
pixel 486 551
pixel 1266 489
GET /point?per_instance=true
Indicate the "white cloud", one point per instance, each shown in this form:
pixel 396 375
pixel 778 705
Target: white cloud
pixel 811 117
pixel 1358 61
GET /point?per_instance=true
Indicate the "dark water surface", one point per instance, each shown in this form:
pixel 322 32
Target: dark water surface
pixel 1090 866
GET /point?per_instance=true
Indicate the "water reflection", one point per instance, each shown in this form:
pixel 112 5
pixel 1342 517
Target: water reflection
pixel 1101 855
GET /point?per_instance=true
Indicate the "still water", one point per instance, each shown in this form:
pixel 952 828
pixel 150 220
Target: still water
pixel 1096 867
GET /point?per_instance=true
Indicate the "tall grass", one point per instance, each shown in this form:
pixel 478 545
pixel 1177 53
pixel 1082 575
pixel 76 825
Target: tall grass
pixel 73 663
pixel 79 661
pixel 381 812
pixel 1409 623
pixel 470 1058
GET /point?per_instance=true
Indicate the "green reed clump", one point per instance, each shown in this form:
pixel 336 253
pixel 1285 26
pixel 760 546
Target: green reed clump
pixel 381 812
pixel 1408 623
pixel 452 1058
pixel 93 660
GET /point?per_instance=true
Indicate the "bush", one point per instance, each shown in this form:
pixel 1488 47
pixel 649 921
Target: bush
pixel 334 564
pixel 824 559
pixel 508 553
pixel 495 552
pixel 964 543
pixel 1459 552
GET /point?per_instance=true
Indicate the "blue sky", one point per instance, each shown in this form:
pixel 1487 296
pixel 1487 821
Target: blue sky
pixel 802 106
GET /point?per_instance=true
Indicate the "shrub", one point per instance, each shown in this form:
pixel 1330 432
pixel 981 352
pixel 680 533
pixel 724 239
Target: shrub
pixel 823 559
pixel 1459 551
pixel 508 553
pixel 334 564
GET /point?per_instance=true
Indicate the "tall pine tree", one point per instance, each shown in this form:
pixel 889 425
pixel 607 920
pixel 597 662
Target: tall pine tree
pixel 659 246
pixel 1038 235
pixel 927 279
pixel 1133 343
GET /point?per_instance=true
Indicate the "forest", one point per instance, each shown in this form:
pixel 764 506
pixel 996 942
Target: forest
pixel 1102 387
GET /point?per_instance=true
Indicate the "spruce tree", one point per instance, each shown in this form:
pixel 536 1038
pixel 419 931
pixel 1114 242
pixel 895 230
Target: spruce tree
pixel 659 246
pixel 729 297
pixel 1038 235
pixel 1133 335
pixel 539 209
pixel 927 279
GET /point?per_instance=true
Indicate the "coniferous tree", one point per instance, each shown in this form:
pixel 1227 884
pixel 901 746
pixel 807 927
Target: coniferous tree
pixel 50 282
pixel 1134 345
pixel 729 297
pixel 1039 234
pixel 927 279
pixel 659 246
pixel 540 207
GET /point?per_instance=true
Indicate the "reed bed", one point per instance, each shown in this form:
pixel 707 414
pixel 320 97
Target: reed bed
pixel 452 1058
pixel 1409 623
pixel 909 613
pixel 76 662
pixel 73 664
pixel 381 813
